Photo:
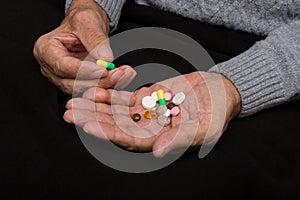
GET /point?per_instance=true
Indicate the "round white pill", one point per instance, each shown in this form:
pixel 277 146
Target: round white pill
pixel 148 102
pixel 178 98
pixel 154 95
pixel 167 113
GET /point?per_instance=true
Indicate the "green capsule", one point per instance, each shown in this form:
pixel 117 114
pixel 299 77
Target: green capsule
pixel 107 65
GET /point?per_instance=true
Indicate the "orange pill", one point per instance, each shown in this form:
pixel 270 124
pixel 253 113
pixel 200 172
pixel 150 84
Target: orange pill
pixel 151 114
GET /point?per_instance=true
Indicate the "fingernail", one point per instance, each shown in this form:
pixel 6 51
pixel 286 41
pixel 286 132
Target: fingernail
pixel 128 69
pixel 90 94
pixel 116 75
pixel 98 73
pixel 159 153
pixel 105 52
pixel 67 117
pixel 126 79
pixel 69 104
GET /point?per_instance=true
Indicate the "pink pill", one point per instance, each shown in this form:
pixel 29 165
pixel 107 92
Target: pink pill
pixel 175 111
pixel 168 96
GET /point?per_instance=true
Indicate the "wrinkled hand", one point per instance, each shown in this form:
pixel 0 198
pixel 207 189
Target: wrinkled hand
pixel 211 102
pixel 69 52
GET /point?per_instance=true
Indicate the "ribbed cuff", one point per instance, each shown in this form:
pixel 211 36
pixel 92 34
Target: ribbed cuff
pixel 113 9
pixel 256 77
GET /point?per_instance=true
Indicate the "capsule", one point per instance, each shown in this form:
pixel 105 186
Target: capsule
pixel 107 65
pixel 161 98
pixel 150 114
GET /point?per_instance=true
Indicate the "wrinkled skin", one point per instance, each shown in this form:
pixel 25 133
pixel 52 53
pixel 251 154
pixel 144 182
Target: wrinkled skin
pixel 74 46
pixel 211 102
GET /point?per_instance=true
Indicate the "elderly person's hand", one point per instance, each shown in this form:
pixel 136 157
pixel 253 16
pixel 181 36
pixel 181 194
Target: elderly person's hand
pixel 211 102
pixel 74 46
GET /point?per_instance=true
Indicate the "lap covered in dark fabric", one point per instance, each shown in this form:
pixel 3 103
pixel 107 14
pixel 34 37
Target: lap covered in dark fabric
pixel 42 156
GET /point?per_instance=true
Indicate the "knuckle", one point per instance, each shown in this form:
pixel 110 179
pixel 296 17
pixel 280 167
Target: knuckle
pixel 44 73
pixel 82 14
pixel 65 86
pixel 38 45
pixel 57 68
pixel 35 52
pixel 114 137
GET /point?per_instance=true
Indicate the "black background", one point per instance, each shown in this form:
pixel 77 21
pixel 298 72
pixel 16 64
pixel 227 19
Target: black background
pixel 43 157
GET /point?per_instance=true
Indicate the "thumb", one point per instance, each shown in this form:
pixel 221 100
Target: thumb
pixel 89 27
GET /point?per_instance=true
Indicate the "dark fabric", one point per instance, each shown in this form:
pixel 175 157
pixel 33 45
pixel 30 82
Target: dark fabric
pixel 42 156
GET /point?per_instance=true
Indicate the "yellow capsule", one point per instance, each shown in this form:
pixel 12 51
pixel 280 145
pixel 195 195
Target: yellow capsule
pixel 103 63
pixel 161 97
pixel 160 94
pixel 150 114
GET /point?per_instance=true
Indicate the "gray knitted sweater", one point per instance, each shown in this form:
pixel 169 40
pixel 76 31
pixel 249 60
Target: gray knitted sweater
pixel 268 73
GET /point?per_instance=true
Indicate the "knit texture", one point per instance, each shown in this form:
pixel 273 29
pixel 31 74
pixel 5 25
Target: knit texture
pixel 268 73
pixel 255 16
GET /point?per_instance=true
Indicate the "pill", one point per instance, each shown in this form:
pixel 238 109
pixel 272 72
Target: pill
pixel 154 108
pixel 150 114
pixel 136 117
pixel 163 120
pixel 167 113
pixel 170 105
pixel 154 95
pixel 107 65
pixel 168 96
pixel 161 110
pixel 160 94
pixel 148 102
pixel 161 97
pixel 175 111
pixel 178 98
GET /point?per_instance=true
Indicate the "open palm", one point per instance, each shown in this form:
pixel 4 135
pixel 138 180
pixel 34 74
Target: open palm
pixel 209 105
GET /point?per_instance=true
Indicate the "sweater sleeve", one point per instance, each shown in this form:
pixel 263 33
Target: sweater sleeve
pixel 268 73
pixel 113 9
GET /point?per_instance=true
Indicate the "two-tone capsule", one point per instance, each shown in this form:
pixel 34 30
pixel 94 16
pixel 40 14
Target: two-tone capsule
pixel 161 98
pixel 107 65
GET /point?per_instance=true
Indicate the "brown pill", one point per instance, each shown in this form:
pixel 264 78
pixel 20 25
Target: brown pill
pixel 170 106
pixel 136 117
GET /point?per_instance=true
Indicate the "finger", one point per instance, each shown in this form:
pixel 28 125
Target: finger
pixel 109 96
pixel 59 61
pixel 81 117
pixel 122 115
pixel 125 80
pixel 118 136
pixel 179 137
pixel 70 67
pixel 95 39
pixel 71 42
pixel 69 86
pixel 84 104
pixel 68 38
pixel 110 79
pixel 119 76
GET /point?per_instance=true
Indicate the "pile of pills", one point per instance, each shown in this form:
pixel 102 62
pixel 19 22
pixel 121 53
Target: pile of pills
pixel 161 106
